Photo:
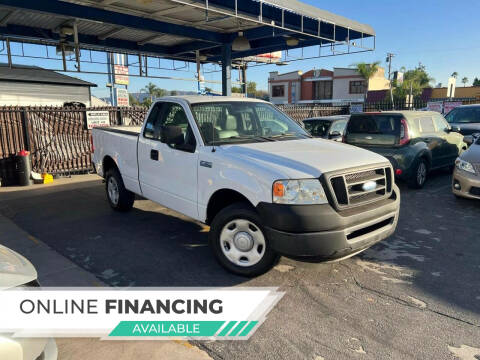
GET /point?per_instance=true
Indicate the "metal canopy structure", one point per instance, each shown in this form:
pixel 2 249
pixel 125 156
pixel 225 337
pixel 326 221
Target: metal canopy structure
pixel 189 30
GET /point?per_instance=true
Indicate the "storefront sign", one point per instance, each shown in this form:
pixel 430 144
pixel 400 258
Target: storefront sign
pixel 121 74
pixel 122 97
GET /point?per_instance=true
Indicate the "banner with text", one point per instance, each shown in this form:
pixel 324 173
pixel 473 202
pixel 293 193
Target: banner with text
pixel 136 313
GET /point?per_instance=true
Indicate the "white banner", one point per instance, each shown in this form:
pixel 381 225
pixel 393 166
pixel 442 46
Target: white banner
pixel 98 118
pixel 132 313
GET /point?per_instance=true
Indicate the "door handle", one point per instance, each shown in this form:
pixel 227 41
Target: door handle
pixel 154 154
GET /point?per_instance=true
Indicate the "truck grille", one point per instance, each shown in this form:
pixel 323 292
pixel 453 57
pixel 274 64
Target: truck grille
pixel 356 188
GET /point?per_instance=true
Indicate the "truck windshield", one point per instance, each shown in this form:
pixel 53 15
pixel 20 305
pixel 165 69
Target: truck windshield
pixel 244 121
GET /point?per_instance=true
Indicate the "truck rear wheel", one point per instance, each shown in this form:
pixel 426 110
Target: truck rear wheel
pixel 119 198
pixel 239 243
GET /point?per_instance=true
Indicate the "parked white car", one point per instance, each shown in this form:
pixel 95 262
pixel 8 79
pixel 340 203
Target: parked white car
pixel 255 176
pixel 16 271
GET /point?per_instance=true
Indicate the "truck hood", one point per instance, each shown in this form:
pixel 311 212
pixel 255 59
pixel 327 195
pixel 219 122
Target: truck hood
pixel 15 270
pixel 306 157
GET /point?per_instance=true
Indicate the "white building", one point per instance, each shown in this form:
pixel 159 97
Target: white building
pixel 349 85
pixel 33 86
pixel 285 88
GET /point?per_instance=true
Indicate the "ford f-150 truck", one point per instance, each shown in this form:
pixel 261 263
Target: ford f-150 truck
pixel 265 187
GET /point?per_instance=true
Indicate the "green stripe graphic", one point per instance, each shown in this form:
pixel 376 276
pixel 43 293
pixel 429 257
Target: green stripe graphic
pixel 167 328
pixel 248 328
pixel 237 329
pixel 227 328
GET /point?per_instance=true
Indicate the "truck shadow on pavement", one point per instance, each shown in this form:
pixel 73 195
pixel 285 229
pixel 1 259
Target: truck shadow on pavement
pixel 148 246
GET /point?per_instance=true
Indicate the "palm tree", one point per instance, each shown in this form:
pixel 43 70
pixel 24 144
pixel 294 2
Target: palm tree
pixel 367 71
pixel 152 90
pixel 465 81
pixel 454 74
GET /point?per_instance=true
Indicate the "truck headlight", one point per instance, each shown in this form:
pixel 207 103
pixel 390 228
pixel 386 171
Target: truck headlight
pixel 299 192
pixel 464 165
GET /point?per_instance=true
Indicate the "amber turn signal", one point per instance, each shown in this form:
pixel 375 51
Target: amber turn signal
pixel 278 189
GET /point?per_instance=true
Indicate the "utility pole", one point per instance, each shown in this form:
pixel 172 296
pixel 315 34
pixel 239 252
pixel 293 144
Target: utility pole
pixel 389 61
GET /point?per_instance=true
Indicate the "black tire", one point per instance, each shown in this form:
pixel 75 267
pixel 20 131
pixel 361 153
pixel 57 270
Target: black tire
pixel 125 198
pixel 240 212
pixel 415 180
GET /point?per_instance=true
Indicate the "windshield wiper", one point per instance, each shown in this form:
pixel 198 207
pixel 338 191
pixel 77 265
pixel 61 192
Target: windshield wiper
pixel 288 134
pixel 248 137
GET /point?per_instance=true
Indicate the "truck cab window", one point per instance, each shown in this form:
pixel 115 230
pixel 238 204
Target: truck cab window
pixel 153 122
pixel 174 120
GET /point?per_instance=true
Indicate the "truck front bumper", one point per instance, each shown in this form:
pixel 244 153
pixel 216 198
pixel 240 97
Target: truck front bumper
pixel 318 231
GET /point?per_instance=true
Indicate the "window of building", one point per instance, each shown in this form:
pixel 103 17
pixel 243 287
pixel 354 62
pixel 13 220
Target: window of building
pixel 322 90
pixel 278 90
pixel 357 87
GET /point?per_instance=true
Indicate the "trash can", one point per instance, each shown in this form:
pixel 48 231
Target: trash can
pixel 23 168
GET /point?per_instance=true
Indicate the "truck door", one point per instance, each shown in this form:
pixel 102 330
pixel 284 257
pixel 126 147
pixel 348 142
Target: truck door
pixel 168 172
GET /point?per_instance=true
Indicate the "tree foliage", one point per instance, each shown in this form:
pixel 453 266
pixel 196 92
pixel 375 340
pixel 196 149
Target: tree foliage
pixel 464 81
pixel 476 82
pixel 133 100
pixel 415 80
pixel 367 71
pixel 251 90
pixel 154 92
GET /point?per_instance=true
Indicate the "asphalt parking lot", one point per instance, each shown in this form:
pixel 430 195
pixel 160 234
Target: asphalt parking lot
pixel 415 295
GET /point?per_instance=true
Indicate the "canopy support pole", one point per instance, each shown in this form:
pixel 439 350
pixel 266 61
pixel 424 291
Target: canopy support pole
pixel 227 70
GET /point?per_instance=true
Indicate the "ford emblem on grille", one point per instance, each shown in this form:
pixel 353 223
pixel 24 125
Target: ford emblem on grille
pixel 369 186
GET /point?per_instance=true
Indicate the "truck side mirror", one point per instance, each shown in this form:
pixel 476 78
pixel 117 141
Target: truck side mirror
pixel 172 135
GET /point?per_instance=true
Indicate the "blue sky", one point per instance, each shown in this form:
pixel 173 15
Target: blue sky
pixel 441 34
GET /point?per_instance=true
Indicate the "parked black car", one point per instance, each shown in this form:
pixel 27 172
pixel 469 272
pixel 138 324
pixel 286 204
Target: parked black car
pixel 466 117
pixel 327 127
pixel 415 142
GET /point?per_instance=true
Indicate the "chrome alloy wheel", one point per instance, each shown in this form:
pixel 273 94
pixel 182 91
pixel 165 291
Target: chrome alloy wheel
pixel 242 242
pixel 113 191
pixel 421 173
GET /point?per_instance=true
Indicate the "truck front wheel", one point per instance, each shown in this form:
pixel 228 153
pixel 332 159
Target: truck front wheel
pixel 119 198
pixel 239 243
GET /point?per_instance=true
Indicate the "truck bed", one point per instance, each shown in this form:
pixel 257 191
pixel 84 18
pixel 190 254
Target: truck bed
pixel 126 130
pixel 120 143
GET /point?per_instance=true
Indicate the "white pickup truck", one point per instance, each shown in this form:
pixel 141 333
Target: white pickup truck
pixel 265 187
